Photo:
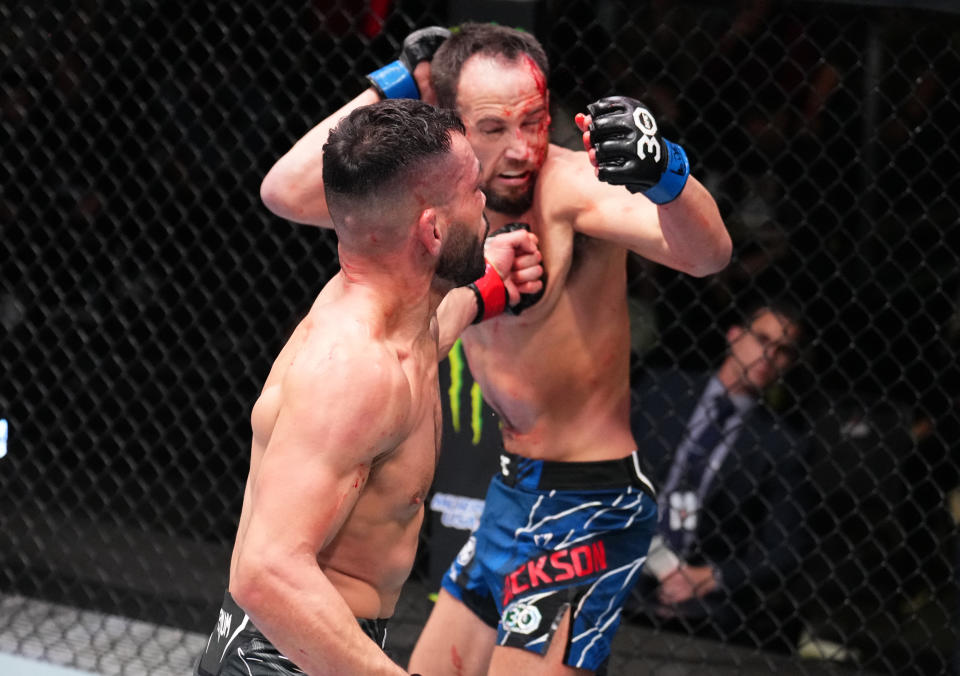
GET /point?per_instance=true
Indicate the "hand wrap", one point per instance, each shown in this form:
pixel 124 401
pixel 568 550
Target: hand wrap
pixel 631 152
pixel 526 299
pixel 395 80
pixel 492 297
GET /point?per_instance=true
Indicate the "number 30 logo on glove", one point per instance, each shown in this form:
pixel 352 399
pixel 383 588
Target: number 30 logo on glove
pixel 648 127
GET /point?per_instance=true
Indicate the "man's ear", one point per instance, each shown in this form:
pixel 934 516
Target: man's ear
pixel 428 231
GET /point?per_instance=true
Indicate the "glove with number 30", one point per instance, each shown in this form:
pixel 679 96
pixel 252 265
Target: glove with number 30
pixel 631 152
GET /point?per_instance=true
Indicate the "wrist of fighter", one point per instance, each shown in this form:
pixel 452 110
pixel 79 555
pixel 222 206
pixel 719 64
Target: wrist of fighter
pixel 491 294
pixel 672 180
pixel 394 81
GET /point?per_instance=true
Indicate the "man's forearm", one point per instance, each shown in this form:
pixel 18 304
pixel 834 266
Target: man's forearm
pixel 293 188
pixel 694 231
pixel 626 147
pixel 310 623
pixel 456 312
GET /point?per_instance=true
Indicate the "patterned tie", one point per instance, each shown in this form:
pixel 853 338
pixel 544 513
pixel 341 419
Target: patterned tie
pixel 678 523
pixel 710 436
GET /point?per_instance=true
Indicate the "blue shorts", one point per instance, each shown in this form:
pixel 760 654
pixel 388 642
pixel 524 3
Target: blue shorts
pixel 552 536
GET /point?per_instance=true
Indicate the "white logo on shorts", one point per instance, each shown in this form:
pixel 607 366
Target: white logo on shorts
pixel 541 540
pixel 223 624
pixel 465 555
pixel 521 618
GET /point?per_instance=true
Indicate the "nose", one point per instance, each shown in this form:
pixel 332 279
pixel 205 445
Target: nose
pixel 518 146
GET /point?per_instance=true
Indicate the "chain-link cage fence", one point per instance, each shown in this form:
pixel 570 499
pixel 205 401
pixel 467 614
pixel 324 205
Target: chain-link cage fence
pixel 146 291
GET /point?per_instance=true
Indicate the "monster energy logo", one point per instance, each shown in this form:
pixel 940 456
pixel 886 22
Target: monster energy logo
pixel 457 364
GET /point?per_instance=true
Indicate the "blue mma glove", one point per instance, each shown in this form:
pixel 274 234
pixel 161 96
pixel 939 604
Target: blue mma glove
pixel 395 80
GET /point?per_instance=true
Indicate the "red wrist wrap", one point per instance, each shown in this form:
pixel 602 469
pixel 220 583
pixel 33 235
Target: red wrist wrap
pixel 491 294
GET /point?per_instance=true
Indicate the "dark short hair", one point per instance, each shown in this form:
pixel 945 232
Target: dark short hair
pixel 375 148
pixel 479 38
pixel 783 308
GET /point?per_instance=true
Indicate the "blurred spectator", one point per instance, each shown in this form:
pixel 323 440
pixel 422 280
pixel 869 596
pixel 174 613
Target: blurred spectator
pixel 732 491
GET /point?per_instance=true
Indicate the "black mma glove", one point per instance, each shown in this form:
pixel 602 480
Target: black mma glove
pixel 395 80
pixel 526 299
pixel 631 152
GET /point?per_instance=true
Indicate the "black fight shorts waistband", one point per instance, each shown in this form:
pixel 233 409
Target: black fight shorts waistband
pixel 546 475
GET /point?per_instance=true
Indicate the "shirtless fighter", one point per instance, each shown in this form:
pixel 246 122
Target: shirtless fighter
pixel 539 586
pixel 346 429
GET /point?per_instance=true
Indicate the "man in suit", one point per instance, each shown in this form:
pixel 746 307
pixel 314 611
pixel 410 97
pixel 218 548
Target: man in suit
pixel 733 494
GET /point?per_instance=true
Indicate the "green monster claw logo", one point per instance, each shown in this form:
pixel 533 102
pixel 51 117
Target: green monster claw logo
pixel 457 364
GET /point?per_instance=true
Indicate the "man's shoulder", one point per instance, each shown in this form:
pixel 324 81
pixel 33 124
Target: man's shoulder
pixel 566 175
pixel 566 188
pixel 564 166
pixel 343 351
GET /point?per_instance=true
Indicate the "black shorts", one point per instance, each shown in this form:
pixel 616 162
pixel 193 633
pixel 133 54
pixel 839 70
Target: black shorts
pixel 237 648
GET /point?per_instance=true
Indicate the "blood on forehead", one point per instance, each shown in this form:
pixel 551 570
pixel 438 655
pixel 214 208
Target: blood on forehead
pixel 543 132
pixel 538 77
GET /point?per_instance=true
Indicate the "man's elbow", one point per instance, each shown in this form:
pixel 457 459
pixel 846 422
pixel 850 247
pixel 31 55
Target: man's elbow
pixel 283 196
pixel 276 195
pixel 253 584
pixel 720 255
pixel 715 259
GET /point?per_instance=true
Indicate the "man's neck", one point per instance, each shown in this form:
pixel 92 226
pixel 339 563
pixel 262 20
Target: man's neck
pixel 405 292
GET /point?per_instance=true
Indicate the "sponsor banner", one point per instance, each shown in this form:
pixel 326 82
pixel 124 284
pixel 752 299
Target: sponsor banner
pixel 457 511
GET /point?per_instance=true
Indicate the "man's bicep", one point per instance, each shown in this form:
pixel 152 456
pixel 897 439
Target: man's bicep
pixel 316 465
pixel 686 235
pixel 608 212
pixel 306 485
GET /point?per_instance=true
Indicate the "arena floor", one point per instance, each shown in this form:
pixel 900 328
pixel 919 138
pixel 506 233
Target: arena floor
pixel 38 638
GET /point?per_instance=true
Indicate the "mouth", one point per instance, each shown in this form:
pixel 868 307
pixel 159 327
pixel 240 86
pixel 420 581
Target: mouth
pixel 514 177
